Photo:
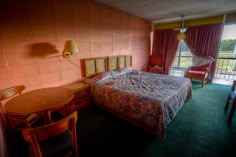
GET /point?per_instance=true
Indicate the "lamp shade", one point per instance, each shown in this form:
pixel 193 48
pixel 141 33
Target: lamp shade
pixel 180 36
pixel 70 47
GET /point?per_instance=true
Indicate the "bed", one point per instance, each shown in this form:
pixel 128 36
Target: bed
pixel 147 100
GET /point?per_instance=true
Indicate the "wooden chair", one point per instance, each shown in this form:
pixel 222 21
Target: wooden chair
pixel 155 64
pixel 15 121
pixel 231 98
pixel 53 139
pixel 199 72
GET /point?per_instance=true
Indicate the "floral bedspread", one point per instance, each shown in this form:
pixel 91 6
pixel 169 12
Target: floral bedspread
pixel 150 99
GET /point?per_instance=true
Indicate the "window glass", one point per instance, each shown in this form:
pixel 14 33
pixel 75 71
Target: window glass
pixel 183 56
pixel 228 42
pixel 226 61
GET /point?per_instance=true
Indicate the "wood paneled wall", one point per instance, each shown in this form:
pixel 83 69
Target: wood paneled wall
pixel 33 32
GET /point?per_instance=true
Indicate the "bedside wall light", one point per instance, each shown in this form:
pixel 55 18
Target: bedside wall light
pixel 70 47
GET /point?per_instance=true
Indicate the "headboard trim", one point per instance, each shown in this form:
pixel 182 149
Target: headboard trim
pixel 92 66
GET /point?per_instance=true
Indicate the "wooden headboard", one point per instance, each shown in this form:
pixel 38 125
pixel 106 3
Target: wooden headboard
pixel 128 61
pixel 92 66
pixel 112 63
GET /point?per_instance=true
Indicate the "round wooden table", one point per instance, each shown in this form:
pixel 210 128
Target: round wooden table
pixel 42 100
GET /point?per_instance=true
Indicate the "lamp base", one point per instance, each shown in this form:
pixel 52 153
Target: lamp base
pixel 67 54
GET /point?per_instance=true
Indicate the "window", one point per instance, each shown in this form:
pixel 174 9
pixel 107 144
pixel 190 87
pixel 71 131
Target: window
pixel 182 61
pixel 226 61
pixel 228 42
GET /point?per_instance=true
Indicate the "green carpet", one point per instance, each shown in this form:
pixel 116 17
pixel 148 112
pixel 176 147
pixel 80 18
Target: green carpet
pixel 199 129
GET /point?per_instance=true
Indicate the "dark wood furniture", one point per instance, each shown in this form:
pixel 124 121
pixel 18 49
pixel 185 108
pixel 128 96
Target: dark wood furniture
pixel 231 98
pixel 42 101
pixel 10 119
pixel 81 98
pixel 61 131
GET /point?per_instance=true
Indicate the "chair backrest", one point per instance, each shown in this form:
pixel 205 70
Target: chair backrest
pixel 10 92
pixel 36 135
pixel 6 94
pixel 202 67
pixel 155 60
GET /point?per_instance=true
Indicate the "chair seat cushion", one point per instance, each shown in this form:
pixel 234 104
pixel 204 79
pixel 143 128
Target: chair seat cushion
pixel 197 74
pixel 156 70
pixel 57 146
pixel 157 67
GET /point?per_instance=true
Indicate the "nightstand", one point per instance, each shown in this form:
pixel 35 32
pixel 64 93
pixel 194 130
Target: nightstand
pixel 81 98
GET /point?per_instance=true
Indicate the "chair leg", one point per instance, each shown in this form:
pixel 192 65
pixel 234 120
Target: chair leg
pixel 203 81
pixel 227 103
pixel 27 124
pixel 232 111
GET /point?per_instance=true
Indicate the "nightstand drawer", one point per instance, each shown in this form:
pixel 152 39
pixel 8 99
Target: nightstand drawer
pixel 78 100
pixel 79 105
pixel 81 94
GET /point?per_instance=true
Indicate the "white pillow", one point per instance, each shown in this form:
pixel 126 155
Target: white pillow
pixel 98 77
pixel 118 72
pixel 157 66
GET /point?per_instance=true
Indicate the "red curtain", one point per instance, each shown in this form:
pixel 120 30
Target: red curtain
pixel 165 43
pixel 204 41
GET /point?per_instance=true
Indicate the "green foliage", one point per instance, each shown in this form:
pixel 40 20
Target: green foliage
pixel 227 45
pixel 225 54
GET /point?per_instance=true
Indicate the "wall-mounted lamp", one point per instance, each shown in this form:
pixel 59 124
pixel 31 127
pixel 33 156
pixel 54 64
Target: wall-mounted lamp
pixel 70 47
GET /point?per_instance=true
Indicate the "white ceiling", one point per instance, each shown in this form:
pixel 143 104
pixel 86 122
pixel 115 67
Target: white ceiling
pixel 172 10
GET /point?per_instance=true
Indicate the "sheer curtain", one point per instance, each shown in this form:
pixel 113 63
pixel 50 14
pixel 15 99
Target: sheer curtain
pixel 204 41
pixel 165 43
